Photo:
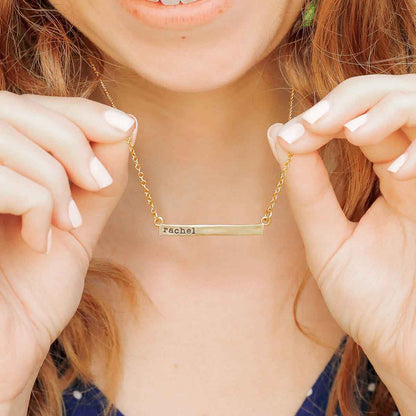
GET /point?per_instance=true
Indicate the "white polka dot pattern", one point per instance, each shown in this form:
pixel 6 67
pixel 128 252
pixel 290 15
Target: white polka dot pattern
pixel 77 394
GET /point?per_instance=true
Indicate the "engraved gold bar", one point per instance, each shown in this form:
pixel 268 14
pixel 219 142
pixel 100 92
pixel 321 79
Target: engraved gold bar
pixel 221 229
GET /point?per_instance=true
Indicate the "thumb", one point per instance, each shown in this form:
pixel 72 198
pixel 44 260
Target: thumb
pixel 322 223
pixel 96 207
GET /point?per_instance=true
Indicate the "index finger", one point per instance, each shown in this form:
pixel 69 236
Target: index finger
pixel 351 98
pixel 99 122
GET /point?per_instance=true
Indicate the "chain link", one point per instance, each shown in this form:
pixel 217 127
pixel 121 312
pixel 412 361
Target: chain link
pixel 267 217
pixel 158 220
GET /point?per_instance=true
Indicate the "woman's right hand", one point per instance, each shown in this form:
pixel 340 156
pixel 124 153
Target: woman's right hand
pixel 52 156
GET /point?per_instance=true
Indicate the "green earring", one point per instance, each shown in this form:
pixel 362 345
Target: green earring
pixel 309 14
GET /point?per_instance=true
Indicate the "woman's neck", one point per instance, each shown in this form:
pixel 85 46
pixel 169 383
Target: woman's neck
pixel 206 154
pixel 207 161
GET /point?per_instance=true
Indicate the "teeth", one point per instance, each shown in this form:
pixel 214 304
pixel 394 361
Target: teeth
pixel 173 2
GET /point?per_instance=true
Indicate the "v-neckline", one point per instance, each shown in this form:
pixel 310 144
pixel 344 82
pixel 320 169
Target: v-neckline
pixel 79 390
pixel 316 390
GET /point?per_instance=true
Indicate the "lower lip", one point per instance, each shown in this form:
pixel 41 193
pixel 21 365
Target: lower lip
pixel 179 16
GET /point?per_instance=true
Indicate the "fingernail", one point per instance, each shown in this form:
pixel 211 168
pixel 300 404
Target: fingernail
pixel 74 214
pixel 355 123
pixel 100 173
pixel 398 163
pixel 133 136
pixel 292 132
pixel 49 243
pixel 272 132
pixel 316 112
pixel 118 119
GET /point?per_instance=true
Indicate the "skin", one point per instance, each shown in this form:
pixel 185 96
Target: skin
pixel 201 322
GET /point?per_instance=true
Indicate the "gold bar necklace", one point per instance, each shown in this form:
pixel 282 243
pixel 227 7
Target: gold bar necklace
pixel 189 230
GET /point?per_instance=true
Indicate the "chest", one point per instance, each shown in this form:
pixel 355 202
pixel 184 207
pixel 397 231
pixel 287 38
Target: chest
pixel 218 350
pixel 284 398
pixel 215 333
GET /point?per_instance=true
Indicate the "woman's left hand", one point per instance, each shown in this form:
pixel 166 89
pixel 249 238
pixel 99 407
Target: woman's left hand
pixel 365 270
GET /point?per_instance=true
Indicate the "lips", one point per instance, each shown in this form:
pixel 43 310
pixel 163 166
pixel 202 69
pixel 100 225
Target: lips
pixel 175 14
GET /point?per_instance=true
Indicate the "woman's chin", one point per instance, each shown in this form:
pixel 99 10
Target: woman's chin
pixel 186 78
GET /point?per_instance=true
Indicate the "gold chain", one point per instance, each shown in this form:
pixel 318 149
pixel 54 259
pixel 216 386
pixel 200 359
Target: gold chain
pixel 157 219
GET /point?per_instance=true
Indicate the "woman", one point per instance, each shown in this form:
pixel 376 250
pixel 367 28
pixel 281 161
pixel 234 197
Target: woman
pixel 316 316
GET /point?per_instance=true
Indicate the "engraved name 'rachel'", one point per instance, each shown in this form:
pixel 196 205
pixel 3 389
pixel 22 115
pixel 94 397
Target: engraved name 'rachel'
pixel 179 230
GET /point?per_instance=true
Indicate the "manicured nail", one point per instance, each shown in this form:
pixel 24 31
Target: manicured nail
pixel 273 130
pixel 398 163
pixel 292 132
pixel 74 214
pixel 355 123
pixel 133 136
pixel 119 119
pixel 49 243
pixel 316 112
pixel 100 173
